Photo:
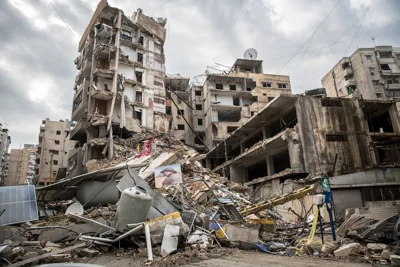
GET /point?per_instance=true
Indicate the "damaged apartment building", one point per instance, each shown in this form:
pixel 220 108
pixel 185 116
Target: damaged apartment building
pixel 371 73
pixel 120 85
pixel 52 150
pixel 355 141
pixel 227 101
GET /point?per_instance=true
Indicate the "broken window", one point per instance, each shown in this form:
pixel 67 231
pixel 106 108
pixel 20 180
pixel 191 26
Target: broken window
pixel 106 87
pixel 158 83
pixel 236 101
pixel 385 67
pixel 266 84
pixel 54 152
pixel 378 95
pixel 248 89
pixel 58 132
pixel 232 87
pixel 139 76
pixel 264 94
pixel 384 193
pixel 368 57
pixel 199 107
pixel 375 82
pixel 390 81
pixel 372 70
pixel 219 86
pixel 57 142
pixel 137 115
pixel 199 122
pixel 181 126
pixel 336 138
pixel 252 113
pixel 282 85
pixel 197 93
pixel 127 35
pixel 139 97
pixel 385 55
pixel 159 100
pixel 395 80
pixel 346 65
pixel 140 58
pixel 168 110
pixel 331 103
pixel 77 101
pixel 181 112
pixel 141 40
pixel 231 129
pixel 55 162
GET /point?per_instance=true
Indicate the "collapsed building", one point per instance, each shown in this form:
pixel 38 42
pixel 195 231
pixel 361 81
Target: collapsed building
pixel 231 99
pixel 5 141
pixel 355 141
pixel 120 85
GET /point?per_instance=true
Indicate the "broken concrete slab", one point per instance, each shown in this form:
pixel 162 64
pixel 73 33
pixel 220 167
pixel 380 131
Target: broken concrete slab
pixel 376 247
pixel 93 193
pixel 89 252
pixel 386 254
pixel 170 240
pixel 395 259
pixel 347 250
pixel 238 234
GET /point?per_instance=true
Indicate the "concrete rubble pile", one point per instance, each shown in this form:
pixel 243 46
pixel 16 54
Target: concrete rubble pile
pixel 174 223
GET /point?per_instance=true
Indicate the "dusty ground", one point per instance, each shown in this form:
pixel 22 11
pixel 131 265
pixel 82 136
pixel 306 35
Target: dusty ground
pixel 227 258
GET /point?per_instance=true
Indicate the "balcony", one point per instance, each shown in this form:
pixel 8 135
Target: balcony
pixel 348 72
pixel 105 74
pixel 104 50
pixel 385 48
pixel 97 120
pixel 388 60
pixel 350 82
pixel 101 94
pixel 394 86
pixel 79 132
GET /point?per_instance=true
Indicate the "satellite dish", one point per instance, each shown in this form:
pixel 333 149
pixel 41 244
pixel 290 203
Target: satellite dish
pixel 250 53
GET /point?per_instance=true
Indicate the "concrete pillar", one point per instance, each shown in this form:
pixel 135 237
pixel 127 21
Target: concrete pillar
pixel 242 147
pixel 270 165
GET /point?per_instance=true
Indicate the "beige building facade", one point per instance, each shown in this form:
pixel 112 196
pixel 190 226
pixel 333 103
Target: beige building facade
pixel 52 150
pixel 369 73
pixel 21 169
pixel 230 100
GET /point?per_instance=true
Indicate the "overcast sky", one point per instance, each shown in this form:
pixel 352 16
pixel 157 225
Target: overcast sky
pixel 37 49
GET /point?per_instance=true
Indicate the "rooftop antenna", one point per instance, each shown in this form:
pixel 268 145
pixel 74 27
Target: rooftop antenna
pixel 250 53
pixel 373 40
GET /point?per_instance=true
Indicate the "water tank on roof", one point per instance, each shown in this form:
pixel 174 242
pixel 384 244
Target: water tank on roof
pixel 133 206
pixel 318 91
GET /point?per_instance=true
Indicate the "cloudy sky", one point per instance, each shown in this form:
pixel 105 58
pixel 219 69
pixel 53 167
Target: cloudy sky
pixel 301 38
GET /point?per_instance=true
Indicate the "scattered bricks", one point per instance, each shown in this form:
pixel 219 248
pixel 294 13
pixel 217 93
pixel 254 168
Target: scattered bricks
pixel 376 247
pixel 395 259
pixel 347 250
pixel 105 211
pixel 89 252
pixel 386 254
pixel 13 253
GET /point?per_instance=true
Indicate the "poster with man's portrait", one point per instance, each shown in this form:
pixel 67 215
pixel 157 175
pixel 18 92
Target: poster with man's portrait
pixel 167 175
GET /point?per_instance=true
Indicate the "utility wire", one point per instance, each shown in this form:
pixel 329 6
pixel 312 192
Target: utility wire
pixel 66 24
pixel 359 27
pixel 159 7
pixel 309 38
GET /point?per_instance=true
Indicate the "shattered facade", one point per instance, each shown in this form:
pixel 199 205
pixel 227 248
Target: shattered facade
pixel 179 108
pixel 5 141
pixel 231 99
pixel 370 73
pixel 52 150
pixel 22 164
pixel 120 85
pixel 293 137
